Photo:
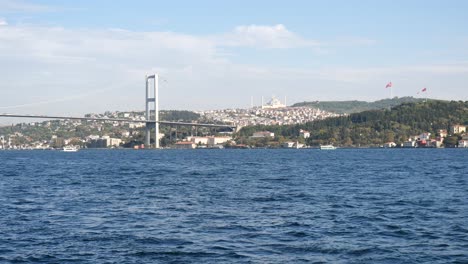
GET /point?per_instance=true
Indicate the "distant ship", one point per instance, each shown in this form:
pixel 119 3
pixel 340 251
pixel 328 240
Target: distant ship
pixel 70 149
pixel 327 147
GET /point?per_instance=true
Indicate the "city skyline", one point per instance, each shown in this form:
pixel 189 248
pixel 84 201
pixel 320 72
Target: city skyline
pixel 76 58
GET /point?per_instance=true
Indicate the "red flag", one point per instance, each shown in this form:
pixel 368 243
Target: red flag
pixel 388 85
pixel 423 90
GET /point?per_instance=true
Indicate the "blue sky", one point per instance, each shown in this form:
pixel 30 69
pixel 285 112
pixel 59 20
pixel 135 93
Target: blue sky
pixel 91 56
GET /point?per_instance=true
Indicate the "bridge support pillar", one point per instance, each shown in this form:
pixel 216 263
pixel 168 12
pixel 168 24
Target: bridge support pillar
pixel 152 98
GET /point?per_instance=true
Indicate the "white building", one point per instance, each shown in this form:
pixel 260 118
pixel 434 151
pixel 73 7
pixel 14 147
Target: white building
pixel 198 140
pixel 212 141
pixel 298 145
pixel 263 134
pixel 136 125
pixel 185 145
pixel 92 137
pixel 409 144
pixel 160 136
pixel 463 143
pixel 115 142
pixel 436 143
pixel 304 133
pixel 442 133
pixel 457 129
pixel 273 103
pixel 111 142
pixel 389 145
pixel 291 144
pixel 104 142
pixel 425 136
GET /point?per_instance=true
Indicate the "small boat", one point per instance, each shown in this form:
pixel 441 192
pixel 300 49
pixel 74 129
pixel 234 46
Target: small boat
pixel 70 149
pixel 327 147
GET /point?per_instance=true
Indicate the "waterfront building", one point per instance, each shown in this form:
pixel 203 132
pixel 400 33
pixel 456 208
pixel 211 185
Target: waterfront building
pixel 198 140
pixel 288 144
pixel 208 141
pixel 213 141
pixel 104 142
pixel 185 145
pixel 425 136
pixel 298 145
pixel 457 129
pixel 389 145
pixel 442 133
pixel 463 143
pixel 422 143
pixel 437 143
pixel 263 134
pixel 409 144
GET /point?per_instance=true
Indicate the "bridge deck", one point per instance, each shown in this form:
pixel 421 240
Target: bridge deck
pixel 116 120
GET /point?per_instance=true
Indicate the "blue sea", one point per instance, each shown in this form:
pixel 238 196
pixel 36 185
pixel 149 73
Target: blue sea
pixel 234 206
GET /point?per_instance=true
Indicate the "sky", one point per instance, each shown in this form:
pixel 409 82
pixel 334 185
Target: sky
pixel 77 57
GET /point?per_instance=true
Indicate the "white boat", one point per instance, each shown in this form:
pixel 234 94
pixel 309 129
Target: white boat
pixel 70 149
pixel 327 147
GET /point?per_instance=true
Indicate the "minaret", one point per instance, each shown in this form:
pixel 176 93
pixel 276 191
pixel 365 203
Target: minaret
pixel 262 102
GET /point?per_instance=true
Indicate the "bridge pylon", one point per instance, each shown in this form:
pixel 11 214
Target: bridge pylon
pixel 152 99
pixel 2 141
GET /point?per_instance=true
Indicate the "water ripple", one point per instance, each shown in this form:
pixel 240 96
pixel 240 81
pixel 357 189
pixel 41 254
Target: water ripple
pixel 234 206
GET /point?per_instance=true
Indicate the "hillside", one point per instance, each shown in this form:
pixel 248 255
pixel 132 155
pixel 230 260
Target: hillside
pixel 348 107
pixel 375 127
pixel 45 130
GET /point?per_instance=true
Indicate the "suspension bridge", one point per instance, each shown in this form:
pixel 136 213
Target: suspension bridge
pixel 151 120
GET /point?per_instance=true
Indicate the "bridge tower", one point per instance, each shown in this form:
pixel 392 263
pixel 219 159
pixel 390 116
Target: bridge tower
pixel 152 99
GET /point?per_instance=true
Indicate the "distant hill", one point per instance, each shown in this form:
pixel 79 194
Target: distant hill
pixel 349 107
pixel 375 127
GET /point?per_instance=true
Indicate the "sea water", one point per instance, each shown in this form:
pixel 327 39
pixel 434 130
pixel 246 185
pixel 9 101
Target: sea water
pixel 234 206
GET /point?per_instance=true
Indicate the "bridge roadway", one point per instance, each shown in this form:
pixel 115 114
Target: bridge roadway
pixel 119 120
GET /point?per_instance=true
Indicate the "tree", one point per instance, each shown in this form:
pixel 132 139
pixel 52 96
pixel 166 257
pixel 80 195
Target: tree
pixel 375 127
pixel 451 141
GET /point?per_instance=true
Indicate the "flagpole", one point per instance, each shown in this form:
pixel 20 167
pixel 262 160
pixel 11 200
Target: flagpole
pixel 389 85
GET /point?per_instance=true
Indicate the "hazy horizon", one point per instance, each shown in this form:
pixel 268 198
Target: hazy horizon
pixel 83 57
pixel 13 121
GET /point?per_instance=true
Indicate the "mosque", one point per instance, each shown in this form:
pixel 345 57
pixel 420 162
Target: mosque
pixel 273 104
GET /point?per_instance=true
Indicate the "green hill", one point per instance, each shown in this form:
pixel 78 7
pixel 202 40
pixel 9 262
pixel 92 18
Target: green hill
pixel 348 107
pixel 375 127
